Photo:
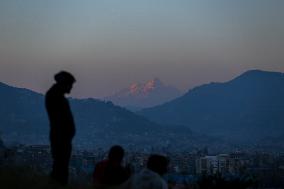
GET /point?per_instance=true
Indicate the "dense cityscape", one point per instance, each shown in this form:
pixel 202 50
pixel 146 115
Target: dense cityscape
pixel 261 169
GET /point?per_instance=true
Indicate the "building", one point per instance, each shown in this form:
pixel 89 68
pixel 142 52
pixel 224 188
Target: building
pixel 207 165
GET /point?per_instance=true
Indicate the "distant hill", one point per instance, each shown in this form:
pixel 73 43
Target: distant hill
pixel 271 144
pixel 248 107
pixel 138 96
pixel 21 111
pixel 99 124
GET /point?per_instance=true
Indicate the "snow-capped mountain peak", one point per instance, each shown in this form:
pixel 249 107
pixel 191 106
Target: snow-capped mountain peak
pixel 152 85
pixel 150 93
pixel 134 88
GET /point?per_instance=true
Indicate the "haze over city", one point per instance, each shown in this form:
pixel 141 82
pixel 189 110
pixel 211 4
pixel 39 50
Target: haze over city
pixel 109 44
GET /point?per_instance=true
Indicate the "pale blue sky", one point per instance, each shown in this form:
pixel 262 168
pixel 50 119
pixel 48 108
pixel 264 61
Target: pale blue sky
pixel 108 44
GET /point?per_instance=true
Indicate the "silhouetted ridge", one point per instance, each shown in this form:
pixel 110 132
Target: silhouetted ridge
pixel 247 107
pixel 100 123
pixel 9 90
pixel 258 75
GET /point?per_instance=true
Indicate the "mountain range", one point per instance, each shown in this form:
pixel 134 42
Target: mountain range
pixel 99 123
pixel 142 95
pixel 248 107
pixel 246 110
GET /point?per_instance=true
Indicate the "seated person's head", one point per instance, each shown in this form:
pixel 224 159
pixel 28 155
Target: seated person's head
pixel 158 164
pixel 116 154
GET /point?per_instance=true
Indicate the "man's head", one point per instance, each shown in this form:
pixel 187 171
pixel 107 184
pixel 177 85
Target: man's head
pixel 65 80
pixel 116 154
pixel 158 164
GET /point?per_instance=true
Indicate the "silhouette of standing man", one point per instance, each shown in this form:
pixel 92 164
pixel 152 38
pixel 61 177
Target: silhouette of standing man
pixel 62 127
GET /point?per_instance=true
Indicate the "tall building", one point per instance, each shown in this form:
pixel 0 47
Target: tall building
pixel 207 165
pixel 223 163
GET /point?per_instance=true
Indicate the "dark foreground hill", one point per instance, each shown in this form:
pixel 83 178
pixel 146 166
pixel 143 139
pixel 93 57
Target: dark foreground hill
pixel 99 124
pixel 248 107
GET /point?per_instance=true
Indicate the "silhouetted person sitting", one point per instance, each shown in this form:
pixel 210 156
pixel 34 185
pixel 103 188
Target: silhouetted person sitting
pixel 62 127
pixel 150 177
pixel 110 172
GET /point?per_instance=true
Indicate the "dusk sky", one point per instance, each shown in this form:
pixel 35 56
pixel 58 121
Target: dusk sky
pixel 108 44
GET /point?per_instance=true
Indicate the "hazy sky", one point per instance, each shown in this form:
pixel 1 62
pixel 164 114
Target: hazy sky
pixel 108 44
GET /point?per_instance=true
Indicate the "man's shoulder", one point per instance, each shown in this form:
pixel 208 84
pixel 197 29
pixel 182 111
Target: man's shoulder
pixel 149 179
